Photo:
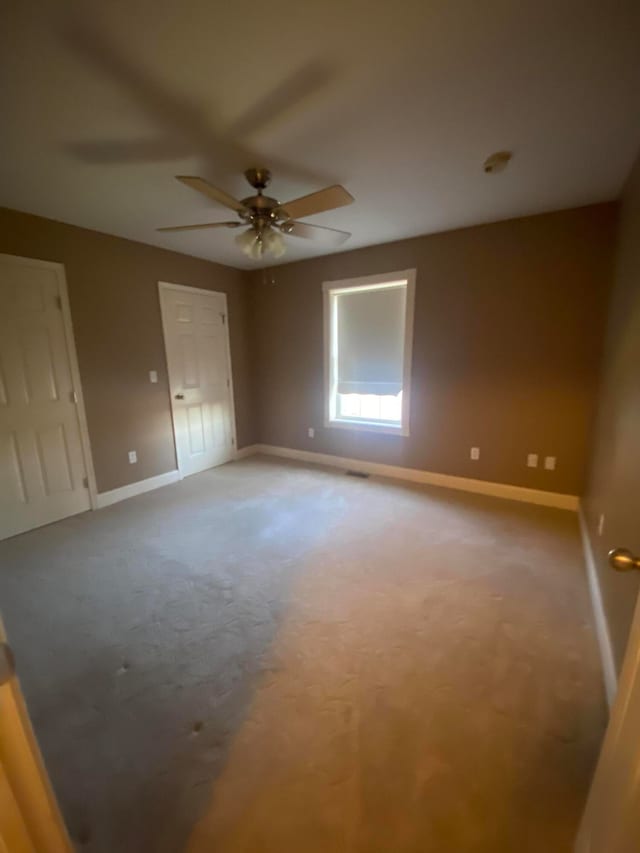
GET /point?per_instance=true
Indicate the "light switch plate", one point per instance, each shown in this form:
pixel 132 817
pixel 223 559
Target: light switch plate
pixel 532 460
pixel 133 457
pixel 550 463
pixel 153 376
pixel 475 453
pixel 311 432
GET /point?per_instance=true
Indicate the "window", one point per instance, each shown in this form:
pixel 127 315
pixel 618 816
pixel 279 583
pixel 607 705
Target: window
pixel 368 337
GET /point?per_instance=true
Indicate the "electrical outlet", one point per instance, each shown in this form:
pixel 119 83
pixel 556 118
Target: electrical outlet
pixel 475 453
pixel 311 432
pixel 133 457
pixel 532 460
pixel 601 524
pixel 550 463
pixel 153 376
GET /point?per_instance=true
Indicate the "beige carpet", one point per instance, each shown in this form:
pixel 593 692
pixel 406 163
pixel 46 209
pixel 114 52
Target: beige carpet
pixel 271 657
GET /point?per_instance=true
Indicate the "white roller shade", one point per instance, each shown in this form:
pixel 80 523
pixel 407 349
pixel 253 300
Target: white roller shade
pixel 370 339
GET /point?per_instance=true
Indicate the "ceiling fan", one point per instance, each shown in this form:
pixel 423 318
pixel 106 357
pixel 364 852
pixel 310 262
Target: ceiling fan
pixel 267 219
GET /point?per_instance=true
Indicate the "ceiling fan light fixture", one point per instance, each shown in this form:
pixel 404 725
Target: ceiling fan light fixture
pixel 256 250
pixel 250 243
pixel 274 243
pixel 255 244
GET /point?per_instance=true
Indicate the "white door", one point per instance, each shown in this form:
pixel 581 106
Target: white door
pixel 611 822
pixel 197 346
pixel 42 465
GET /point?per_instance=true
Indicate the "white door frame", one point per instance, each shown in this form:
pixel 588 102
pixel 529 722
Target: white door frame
pixel 61 278
pixel 168 285
pixel 32 800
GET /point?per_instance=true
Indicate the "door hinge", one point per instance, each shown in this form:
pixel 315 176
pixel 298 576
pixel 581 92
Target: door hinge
pixel 85 482
pixel 228 383
pixel 74 397
pixel 233 441
pixel 224 318
pixel 58 303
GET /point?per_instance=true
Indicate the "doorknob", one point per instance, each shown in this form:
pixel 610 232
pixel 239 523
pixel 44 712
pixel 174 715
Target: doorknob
pixel 179 396
pixel 622 560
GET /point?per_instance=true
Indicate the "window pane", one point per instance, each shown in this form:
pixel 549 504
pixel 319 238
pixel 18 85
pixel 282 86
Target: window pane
pixel 367 340
pixel 391 408
pixel 370 407
pixel 349 405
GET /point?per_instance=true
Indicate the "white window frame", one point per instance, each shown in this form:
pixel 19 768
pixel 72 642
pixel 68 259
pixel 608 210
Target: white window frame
pixel 331 289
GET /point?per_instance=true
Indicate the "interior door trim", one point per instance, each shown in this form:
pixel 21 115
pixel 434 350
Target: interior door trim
pixel 65 306
pixel 184 288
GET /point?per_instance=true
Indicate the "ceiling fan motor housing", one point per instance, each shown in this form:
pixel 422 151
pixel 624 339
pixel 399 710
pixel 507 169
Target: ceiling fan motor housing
pixel 258 178
pixel 261 210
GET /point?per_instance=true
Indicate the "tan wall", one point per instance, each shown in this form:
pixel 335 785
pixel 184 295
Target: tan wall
pixel 509 321
pixel 113 289
pixel 507 340
pixel 614 487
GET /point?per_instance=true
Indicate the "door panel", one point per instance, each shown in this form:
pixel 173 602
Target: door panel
pixel 188 364
pixel 53 455
pixel 611 822
pixel 199 376
pixel 196 429
pixel 42 465
pixel 11 475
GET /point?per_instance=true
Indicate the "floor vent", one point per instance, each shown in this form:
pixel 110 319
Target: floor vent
pixel 361 474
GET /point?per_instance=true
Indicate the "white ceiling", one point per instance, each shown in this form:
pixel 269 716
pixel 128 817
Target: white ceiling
pixel 400 101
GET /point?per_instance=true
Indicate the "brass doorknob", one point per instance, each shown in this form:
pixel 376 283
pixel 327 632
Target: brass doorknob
pixel 623 560
pixel 179 396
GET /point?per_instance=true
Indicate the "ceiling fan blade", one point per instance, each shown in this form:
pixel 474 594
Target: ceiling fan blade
pixel 288 96
pixel 306 205
pixel 213 193
pixel 204 225
pixel 329 236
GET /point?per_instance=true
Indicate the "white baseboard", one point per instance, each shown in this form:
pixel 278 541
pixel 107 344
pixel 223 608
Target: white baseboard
pixel 414 475
pixel 133 489
pixel 602 626
pixel 249 450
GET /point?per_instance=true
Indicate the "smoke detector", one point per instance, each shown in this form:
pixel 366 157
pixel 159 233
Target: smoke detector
pixel 497 162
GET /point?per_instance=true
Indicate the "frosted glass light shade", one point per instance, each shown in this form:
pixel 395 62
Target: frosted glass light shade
pixel 274 243
pixel 255 244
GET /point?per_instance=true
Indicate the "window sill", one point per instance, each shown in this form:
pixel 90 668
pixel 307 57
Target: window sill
pixel 368 426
